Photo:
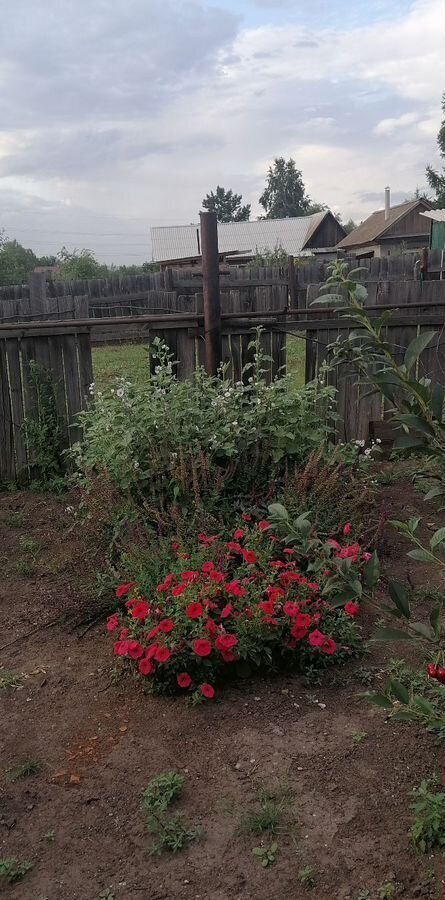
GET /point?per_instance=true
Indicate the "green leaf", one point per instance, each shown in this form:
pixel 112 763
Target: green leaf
pixel 404 715
pixel 421 555
pixel 400 598
pixel 437 538
pixel 329 300
pixel 361 293
pixel 390 634
pixel 258 851
pixel 407 442
pixel 278 511
pixel 421 704
pixel 438 400
pixel 416 347
pixel 399 690
pixel 358 271
pixel 425 631
pixel 379 700
pixel 416 422
pixel 434 492
pixel 371 571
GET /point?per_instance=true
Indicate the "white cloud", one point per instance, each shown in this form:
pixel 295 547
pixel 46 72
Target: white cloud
pixel 162 100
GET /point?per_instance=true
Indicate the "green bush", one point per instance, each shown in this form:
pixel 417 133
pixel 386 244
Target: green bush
pixel 202 444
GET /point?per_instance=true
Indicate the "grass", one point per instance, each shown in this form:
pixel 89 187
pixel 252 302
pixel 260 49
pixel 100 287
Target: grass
pixel 267 813
pixel 131 361
pixel 306 876
pixel 25 769
pixel 9 679
pixel 13 869
pixel 12 519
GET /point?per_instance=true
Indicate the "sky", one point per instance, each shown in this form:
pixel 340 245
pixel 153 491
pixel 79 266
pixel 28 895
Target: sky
pixel 117 115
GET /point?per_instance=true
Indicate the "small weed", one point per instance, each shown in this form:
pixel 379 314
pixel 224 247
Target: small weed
pixel 266 817
pixel 25 567
pixel 50 836
pixel 359 736
pixel 9 679
pixel 12 519
pixel 31 546
pixel 25 769
pixel 387 891
pixel 364 894
pixel 13 869
pixel 365 676
pixel 266 855
pixel 107 894
pixel 428 829
pixel 162 790
pixel 170 832
pixel 306 876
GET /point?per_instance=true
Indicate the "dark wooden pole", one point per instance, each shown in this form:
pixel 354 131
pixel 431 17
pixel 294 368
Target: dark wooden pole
pixel 292 284
pixel 424 263
pixel 210 291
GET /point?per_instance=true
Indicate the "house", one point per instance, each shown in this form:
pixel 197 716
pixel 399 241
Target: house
pixel 390 230
pixel 436 218
pixel 296 236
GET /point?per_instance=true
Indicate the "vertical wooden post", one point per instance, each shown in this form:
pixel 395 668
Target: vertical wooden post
pixel 424 263
pixel 37 295
pixel 292 302
pixel 210 290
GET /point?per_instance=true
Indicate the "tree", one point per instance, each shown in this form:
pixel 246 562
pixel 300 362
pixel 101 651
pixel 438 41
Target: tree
pixel 436 180
pixel 16 262
pixel 285 194
pixel 349 226
pixel 227 205
pixel 80 264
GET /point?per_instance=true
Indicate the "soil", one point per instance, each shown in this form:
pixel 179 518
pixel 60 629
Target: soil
pixel 79 819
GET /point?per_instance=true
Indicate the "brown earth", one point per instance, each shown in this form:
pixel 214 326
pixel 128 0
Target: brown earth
pixel 79 820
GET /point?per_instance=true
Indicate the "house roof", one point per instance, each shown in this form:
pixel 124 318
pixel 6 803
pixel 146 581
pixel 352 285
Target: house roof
pixel 375 225
pixel 438 215
pixel 181 241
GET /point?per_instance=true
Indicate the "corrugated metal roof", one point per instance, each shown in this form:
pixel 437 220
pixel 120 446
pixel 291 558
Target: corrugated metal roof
pixel 438 215
pixel 181 241
pixel 376 224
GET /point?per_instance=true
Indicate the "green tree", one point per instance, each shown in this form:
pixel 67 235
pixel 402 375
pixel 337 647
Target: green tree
pixel 436 180
pixel 16 262
pixel 349 226
pixel 227 205
pixel 285 194
pixel 80 264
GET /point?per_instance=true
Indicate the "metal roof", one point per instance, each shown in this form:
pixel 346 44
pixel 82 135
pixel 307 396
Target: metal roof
pixel 438 215
pixel 181 241
pixel 376 224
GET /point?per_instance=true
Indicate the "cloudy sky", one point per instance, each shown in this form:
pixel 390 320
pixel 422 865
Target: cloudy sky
pixel 116 115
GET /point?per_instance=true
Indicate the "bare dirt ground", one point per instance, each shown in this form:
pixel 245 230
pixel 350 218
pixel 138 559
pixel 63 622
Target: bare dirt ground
pixel 79 819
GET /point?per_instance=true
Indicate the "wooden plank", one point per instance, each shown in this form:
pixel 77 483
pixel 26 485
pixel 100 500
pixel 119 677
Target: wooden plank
pixel 16 403
pixel 73 393
pixel 7 456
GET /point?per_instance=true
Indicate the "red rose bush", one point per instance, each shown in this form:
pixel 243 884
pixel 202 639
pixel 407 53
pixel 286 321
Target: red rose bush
pixel 247 600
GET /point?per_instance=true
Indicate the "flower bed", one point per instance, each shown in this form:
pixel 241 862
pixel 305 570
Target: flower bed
pixel 243 604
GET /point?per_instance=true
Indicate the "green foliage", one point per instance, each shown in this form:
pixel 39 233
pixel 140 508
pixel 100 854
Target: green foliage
pixel 170 832
pixel 25 769
pixel 266 855
pixel 198 444
pixel 162 790
pixel 227 205
pixel 359 736
pixel 307 876
pixel 285 194
pixel 267 814
pixel 275 257
pixel 428 829
pixel 412 696
pixel 16 263
pixel 44 432
pixel 9 679
pixel 436 180
pixel 13 869
pixel 79 264
pixel 387 891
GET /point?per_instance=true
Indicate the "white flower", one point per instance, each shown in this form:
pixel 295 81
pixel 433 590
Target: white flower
pixel 378 440
pixel 91 388
pixel 135 464
pixel 120 393
pixel 69 509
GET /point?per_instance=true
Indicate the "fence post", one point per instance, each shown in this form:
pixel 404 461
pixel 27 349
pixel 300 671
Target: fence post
pixel 211 292
pixel 291 283
pixel 37 294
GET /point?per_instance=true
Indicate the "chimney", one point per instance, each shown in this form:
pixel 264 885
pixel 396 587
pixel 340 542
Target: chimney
pixel 387 203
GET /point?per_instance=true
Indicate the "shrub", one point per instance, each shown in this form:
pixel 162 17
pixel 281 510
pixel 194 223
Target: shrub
pixel 240 605
pixel 428 829
pixel 195 444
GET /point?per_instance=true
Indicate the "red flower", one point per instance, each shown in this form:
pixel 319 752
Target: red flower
pixel 184 680
pixel 263 525
pixel 347 529
pixel 367 557
pixel 229 656
pixel 202 647
pixel 140 610
pixel 226 642
pixel 189 577
pixel 166 584
pixel 246 517
pixel 302 620
pixel 179 589
pixel 225 613
pixel 326 573
pixel 154 631
pixel 329 647
pixel 351 608
pixel 268 606
pixel 334 544
pixel 207 567
pixel 249 557
pixel 208 691
pixel 211 628
pixel 299 632
pixel 277 564
pixel 166 625
pixel 234 546
pixel 205 539
pixel 120 648
pixel 317 639
pixel 194 610
pixel 162 654
pixel 152 651
pixel 123 589
pixel 216 576
pixel 274 593
pixel 175 546
pixel 112 622
pixel 288 551
pixel 124 632
pixel 145 667
pixel 291 609
pixel 238 534
pixel 235 590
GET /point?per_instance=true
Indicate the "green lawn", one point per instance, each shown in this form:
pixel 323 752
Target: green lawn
pixel 130 360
